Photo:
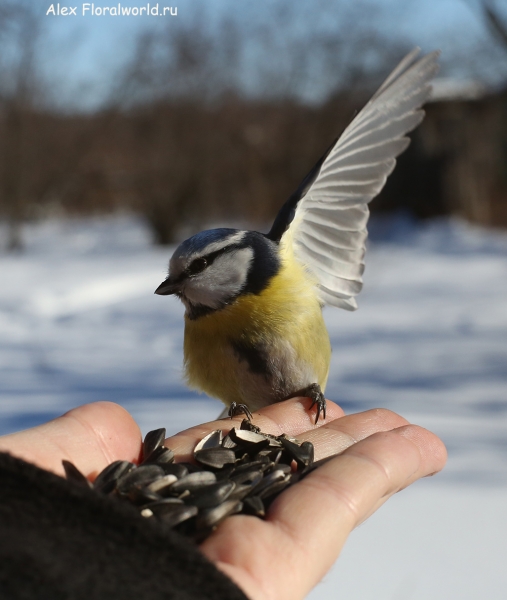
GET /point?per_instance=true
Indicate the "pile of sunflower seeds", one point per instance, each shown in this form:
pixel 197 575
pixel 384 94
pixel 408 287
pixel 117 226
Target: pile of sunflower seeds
pixel 241 472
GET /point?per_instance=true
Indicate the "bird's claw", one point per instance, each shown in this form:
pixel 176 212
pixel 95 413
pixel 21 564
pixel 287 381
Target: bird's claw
pixel 238 409
pixel 314 392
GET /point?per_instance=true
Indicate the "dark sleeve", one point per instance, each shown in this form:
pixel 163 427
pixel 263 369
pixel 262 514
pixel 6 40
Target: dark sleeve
pixel 59 540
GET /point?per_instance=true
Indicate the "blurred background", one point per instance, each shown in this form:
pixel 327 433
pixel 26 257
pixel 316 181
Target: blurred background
pixel 215 110
pixel 122 135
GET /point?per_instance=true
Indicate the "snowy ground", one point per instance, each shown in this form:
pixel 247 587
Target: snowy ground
pixel 79 322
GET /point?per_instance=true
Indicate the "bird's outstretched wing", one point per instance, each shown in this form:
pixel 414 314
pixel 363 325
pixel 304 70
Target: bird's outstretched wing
pixel 324 221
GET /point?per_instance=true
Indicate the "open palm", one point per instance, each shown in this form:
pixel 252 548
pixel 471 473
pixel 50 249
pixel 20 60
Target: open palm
pixel 306 527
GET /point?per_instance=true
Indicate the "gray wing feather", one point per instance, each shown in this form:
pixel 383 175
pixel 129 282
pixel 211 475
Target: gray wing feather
pixel 328 231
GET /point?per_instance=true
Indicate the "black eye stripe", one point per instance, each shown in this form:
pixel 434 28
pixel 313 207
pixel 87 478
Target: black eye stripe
pixel 210 259
pixel 197 265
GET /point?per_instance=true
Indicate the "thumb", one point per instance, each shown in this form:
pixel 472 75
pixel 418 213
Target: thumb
pixel 90 436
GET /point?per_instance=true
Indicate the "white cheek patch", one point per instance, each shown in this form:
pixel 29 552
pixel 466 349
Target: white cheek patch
pixel 221 281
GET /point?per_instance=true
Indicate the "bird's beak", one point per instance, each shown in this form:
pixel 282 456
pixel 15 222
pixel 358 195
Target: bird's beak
pixel 167 287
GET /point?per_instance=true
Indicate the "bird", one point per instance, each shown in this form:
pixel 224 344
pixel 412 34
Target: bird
pixel 254 328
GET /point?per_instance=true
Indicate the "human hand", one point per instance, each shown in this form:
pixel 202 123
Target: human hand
pixel 306 526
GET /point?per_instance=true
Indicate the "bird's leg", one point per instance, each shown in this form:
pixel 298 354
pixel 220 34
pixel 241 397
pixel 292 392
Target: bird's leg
pixel 315 394
pixel 237 409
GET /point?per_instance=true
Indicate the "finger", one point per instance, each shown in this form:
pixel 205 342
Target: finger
pixel 91 436
pixel 308 524
pixel 277 419
pixel 334 437
pixel 412 438
pixel 290 417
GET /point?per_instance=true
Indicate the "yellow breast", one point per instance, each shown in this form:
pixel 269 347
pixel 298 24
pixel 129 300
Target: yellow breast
pixel 287 313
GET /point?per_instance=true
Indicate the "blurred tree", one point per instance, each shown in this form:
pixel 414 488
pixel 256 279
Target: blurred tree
pixel 47 159
pixel 212 120
pixel 497 25
pixel 201 148
pixel 19 31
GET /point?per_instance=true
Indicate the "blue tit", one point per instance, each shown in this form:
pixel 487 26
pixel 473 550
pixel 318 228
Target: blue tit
pixel 254 330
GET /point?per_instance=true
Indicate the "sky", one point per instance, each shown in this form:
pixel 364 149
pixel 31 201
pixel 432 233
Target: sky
pixel 80 54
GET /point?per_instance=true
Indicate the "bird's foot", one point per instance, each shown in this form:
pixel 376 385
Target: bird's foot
pixel 238 409
pixel 314 392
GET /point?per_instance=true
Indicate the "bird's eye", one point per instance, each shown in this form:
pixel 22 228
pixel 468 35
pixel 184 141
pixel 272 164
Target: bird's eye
pixel 197 265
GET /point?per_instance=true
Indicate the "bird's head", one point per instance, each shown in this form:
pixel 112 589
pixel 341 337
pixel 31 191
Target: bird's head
pixel 213 268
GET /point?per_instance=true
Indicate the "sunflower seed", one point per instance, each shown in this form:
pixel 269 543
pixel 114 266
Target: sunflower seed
pixel 225 473
pixel 303 455
pixel 152 441
pixel 211 495
pixel 179 515
pixel 160 456
pixel 191 467
pixel 139 477
pixel 106 480
pixel 212 440
pixel 241 491
pixel 179 470
pixel 254 449
pixel 261 464
pixel 193 481
pixel 173 514
pixel 241 472
pixel 274 455
pixel 228 443
pixel 284 436
pixel 139 495
pixel 211 517
pixel 254 506
pixel 244 437
pixel 279 466
pixel 263 454
pixel 275 476
pixel 160 506
pixel 274 441
pixel 274 488
pixel 160 485
pixel 309 453
pixel 242 457
pixel 249 426
pixel 74 474
pixel 252 477
pixel 215 457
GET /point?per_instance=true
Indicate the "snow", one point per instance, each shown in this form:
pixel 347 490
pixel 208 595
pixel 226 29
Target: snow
pixel 79 322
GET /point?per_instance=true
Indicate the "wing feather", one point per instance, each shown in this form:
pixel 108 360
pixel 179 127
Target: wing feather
pixel 342 254
pixel 352 218
pixel 341 239
pixel 329 297
pixel 324 222
pixel 329 262
pixel 383 132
